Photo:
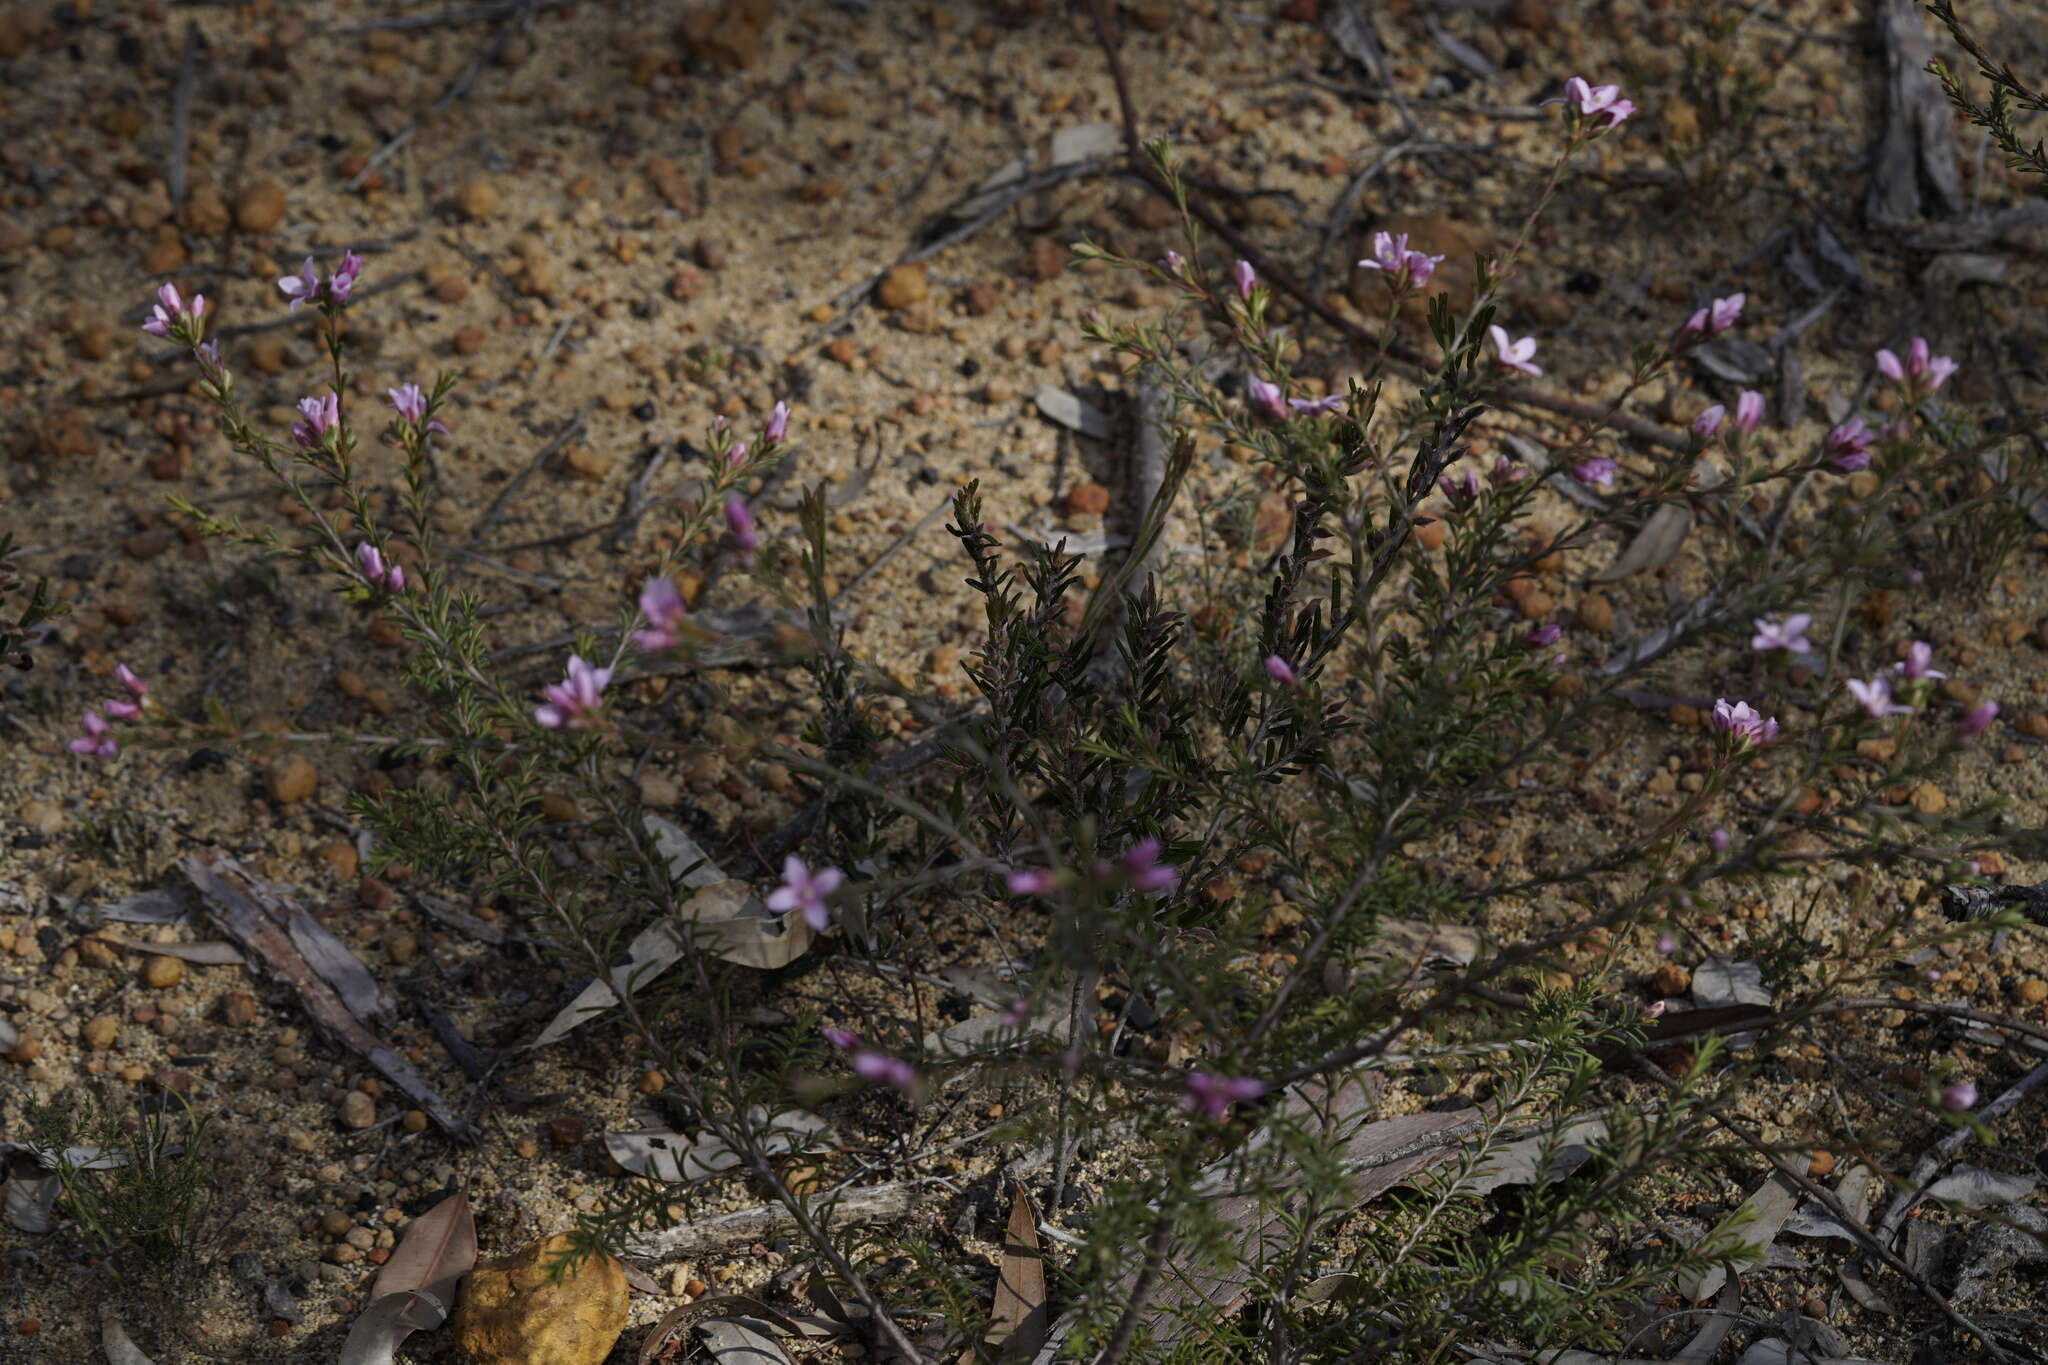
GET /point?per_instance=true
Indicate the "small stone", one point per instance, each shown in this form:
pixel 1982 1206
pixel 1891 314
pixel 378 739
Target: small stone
pixel 100 1031
pixel 658 791
pixel 238 1009
pixel 415 1121
pixel 557 809
pixel 1430 532
pixel 566 1130
pixel 1929 799
pixel 2034 725
pixel 356 1110
pixel 469 340
pixel 1533 16
pixel 402 949
pixel 148 544
pixel 981 300
pixel 942 659
pixel 260 207
pixel 1670 980
pixel 477 199
pixel 516 1309
pixel 290 778
pixel 586 464
pixel 27 1048
pixel 205 213
pixel 336 1225
pixel 1595 613
pixel 1087 500
pixel 41 816
pixel 340 857
pixel 1820 1163
pixel 163 971
pixel 1046 260
pixel 2030 991
pixel 341 1253
pixel 902 287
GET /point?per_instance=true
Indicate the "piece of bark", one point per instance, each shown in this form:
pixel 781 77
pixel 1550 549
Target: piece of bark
pixel 1915 172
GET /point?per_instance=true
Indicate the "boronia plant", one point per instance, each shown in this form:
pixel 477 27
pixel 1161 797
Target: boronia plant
pixel 1186 809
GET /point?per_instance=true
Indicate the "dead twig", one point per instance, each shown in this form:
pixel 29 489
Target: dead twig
pixel 518 17
pixel 562 437
pixel 458 16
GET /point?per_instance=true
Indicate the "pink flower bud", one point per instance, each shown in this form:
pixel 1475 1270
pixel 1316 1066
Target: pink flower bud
pixel 1280 671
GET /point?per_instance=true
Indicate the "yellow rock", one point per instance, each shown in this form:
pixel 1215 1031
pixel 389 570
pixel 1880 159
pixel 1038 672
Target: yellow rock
pixel 513 1312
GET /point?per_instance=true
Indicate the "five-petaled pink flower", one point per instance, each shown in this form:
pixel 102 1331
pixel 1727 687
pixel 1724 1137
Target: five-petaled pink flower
pixel 173 315
pixel 1265 396
pixel 317 417
pixel 1317 407
pixel 1848 445
pixel 777 424
pixel 1280 671
pixel 1211 1096
pixel 97 740
pixel 805 891
pixel 370 564
pixel 1597 470
pixel 1141 864
pixel 1743 723
pixel 1749 411
pixel 1788 635
pixel 1246 278
pixel 1404 269
pixel 1915 666
pixel 1977 719
pixel 1589 100
pixel 308 287
pixel 573 704
pixel 1875 697
pixel 1718 316
pixel 661 602
pixel 740 521
pixel 1921 371
pixel 1513 355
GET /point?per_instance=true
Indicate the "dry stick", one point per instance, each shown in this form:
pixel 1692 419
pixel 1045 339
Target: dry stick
pixel 561 438
pixel 1827 1200
pixel 1997 1021
pixel 1395 351
pixel 448 18
pixel 181 115
pixel 518 17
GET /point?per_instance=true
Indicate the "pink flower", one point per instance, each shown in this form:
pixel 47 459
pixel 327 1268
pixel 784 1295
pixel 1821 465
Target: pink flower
pixel 1977 719
pixel 1141 864
pixel 303 287
pixel 805 891
pixel 1717 839
pixel 1172 262
pixel 1504 472
pixel 1028 881
pixel 344 281
pixel 308 287
pixel 1265 396
pixel 1667 943
pixel 1017 1013
pixel 1280 671
pixel 840 1038
pixel 740 522
pixel 778 423
pixel 1212 1096
pixel 1789 636
pixel 1919 655
pixel 1246 278
pixel 1718 316
pixel 121 709
pixel 1848 445
pixel 1404 269
pixel 317 417
pixel 173 316
pixel 879 1066
pixel 1462 491
pixel 1317 407
pixel 1959 1096
pixel 1749 411
pixel 1514 355
pixel 661 602
pixel 1709 422
pixel 1597 470
pixel 1921 372
pixel 96 739
pixel 1743 724
pixel 1543 635
pixel 573 704
pixel 370 564
pixel 1589 100
pixel 1655 1009
pixel 139 689
pixel 1875 697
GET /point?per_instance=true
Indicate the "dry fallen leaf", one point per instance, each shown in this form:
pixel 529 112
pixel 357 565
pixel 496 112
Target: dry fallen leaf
pixel 1656 545
pixel 114 1340
pixel 1018 1320
pixel 415 1291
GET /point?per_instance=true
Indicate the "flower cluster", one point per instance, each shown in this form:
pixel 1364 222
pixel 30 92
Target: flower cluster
pixel 1749 414
pixel 1742 723
pixel 661 603
pixel 318 417
pixel 1137 867
pixel 96 736
pixel 869 1064
pixel 1212 1096
pixel 1717 317
pixel 332 292
pixel 370 564
pixel 1602 101
pixel 1404 268
pixel 175 318
pixel 573 704
pixel 410 404
pixel 1921 373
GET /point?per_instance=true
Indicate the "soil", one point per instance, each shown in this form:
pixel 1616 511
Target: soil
pixel 636 225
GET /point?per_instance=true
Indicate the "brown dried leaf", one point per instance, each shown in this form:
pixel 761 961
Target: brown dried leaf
pixel 1018 1320
pixel 438 1249
pixel 210 954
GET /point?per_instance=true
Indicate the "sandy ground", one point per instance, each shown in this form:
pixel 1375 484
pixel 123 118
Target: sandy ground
pixel 616 226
